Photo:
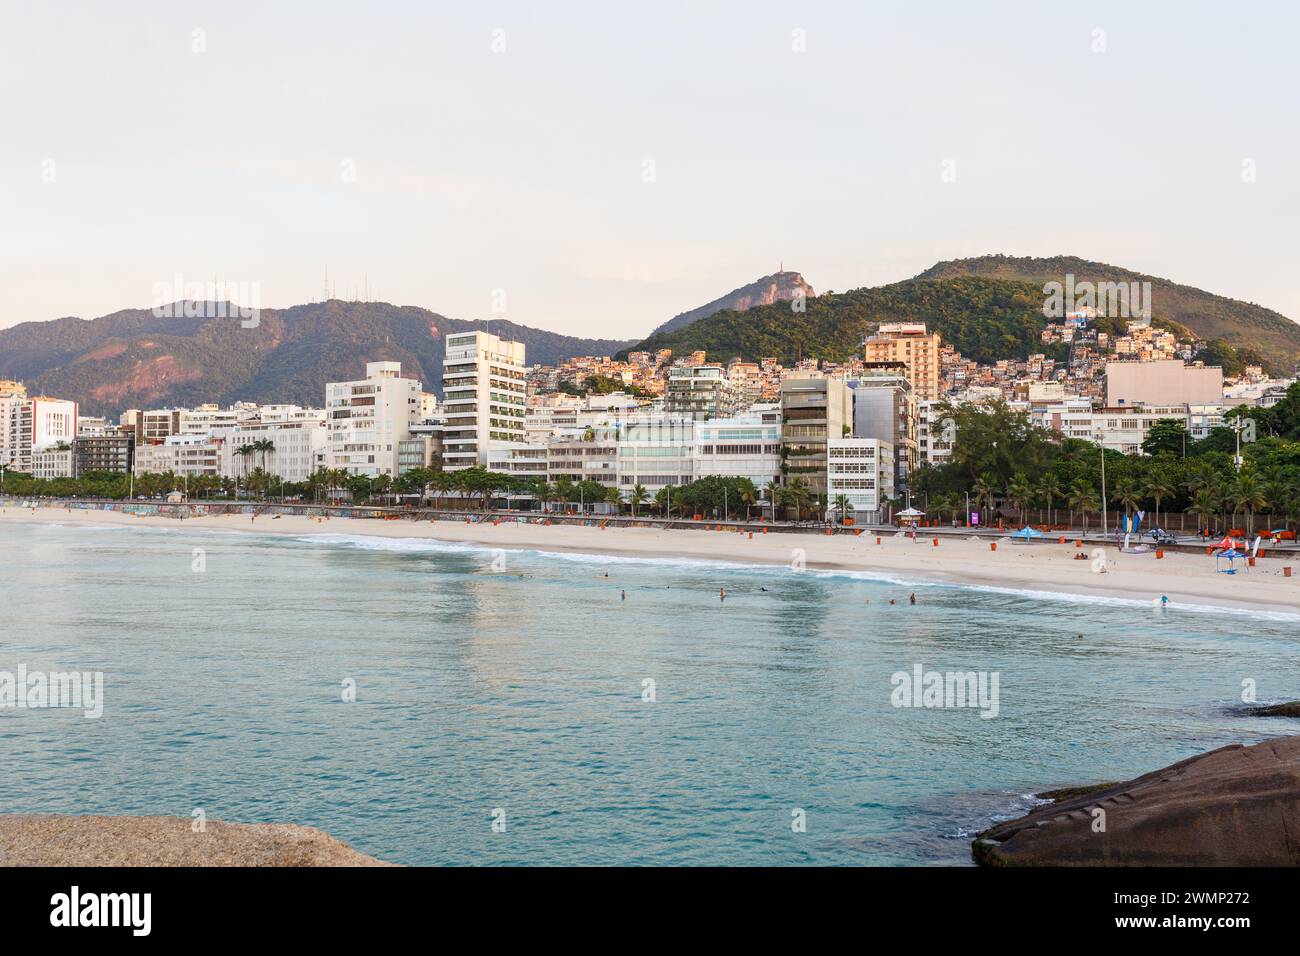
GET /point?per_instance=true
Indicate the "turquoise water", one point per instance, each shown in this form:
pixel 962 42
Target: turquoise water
pixel 522 690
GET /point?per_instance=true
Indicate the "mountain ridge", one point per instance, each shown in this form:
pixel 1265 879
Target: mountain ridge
pixel 988 307
pixel 133 358
pixel 1247 326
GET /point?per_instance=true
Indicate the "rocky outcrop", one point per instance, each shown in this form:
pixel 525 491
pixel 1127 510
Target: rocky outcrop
pixel 778 287
pixel 1236 806
pixel 50 840
pixel 1289 709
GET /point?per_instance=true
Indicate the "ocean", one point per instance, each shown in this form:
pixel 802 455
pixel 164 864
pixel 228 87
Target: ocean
pixel 437 704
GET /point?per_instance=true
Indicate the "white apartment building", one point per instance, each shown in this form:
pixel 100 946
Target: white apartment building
pixel 300 448
pixel 204 419
pixel 188 455
pixel 54 462
pixel 861 469
pixel 657 453
pixel 746 446
pixel 32 424
pixel 370 418
pixel 700 392
pixel 484 395
pixel 589 454
pixel 518 459
pixel 934 440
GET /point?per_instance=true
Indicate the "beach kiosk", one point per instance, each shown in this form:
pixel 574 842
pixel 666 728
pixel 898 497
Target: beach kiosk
pixel 909 517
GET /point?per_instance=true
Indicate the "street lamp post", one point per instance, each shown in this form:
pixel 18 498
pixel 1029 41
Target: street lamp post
pixel 1103 491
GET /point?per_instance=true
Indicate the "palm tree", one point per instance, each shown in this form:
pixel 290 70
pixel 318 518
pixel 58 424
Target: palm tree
pixel 262 446
pixel 1127 494
pixel 799 495
pixel 1248 496
pixel 749 498
pixel 613 496
pixel 1083 498
pixel 1205 504
pixel 382 484
pixel 773 489
pixel 638 497
pixel 842 505
pixel 1157 488
pixel 1049 489
pixel 986 490
pixel 1019 493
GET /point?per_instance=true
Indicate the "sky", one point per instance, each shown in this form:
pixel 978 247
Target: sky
pixel 596 168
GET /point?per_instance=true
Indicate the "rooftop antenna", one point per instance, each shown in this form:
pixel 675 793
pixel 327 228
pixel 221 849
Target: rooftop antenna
pixel 325 290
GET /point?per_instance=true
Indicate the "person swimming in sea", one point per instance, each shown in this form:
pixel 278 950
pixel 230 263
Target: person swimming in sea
pixel 912 598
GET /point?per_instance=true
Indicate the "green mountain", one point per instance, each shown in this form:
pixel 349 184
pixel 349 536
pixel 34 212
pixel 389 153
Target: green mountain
pixel 986 319
pixel 134 359
pixel 988 308
pixel 1258 335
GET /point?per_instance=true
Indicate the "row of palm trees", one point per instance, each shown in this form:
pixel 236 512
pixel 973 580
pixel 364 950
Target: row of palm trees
pixel 1212 499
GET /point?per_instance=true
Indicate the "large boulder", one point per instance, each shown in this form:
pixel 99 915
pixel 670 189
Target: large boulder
pixel 1235 806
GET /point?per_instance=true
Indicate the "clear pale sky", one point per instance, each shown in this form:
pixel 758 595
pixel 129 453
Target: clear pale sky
pixel 524 169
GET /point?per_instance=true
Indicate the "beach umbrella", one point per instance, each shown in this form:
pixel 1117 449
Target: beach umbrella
pixel 1231 554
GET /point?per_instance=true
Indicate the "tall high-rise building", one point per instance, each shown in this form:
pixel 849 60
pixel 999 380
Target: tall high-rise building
pixel 29 425
pixel 814 409
pixel 909 343
pixel 484 395
pixel 369 419
pixel 885 408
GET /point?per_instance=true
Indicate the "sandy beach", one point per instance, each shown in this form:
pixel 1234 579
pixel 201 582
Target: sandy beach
pixel 1042 566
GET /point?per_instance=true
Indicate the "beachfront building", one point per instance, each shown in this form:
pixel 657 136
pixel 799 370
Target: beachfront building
pixel 369 418
pixel 29 424
pixel 917 349
pixel 747 445
pixel 588 455
pixel 58 461
pixel 484 396
pixel 862 470
pixel 814 409
pixel 186 455
pixel 111 451
pixel 656 453
pixel 885 407
pixel 298 448
pixel 700 392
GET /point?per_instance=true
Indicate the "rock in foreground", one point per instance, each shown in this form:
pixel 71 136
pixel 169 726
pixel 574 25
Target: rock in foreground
pixel 1236 806
pixel 49 840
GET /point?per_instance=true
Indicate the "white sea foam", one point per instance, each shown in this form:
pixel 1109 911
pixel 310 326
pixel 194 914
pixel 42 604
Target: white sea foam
pixel 433 545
